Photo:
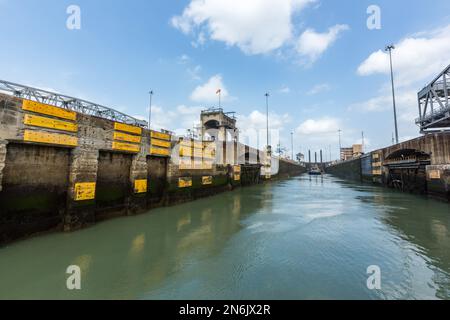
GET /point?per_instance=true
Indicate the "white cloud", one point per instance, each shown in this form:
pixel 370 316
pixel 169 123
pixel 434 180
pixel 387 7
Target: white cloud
pixel 323 87
pixel 254 26
pixel 285 90
pixel 312 44
pixel 416 59
pixel 406 104
pixel 257 120
pixel 174 119
pixel 320 126
pixel 207 91
pixel 183 59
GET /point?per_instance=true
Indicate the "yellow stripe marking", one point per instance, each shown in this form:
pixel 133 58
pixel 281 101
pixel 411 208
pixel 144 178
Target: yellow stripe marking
pixel 50 138
pixel 49 110
pixel 123 146
pixel 160 135
pixel 127 128
pixel 126 137
pixel 159 152
pixel 160 143
pixel 185 152
pixel 50 123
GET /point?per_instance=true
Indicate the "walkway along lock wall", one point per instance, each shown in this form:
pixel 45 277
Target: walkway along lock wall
pixel 420 165
pixel 62 170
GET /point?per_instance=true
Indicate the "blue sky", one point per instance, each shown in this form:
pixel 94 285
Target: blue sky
pixel 317 58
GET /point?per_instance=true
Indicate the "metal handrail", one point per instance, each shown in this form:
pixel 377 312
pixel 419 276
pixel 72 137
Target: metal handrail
pixel 70 103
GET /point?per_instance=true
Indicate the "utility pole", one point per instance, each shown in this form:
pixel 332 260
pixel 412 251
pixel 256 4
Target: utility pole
pixel 362 141
pixel 150 110
pixel 389 48
pixel 292 145
pixel 267 117
pixel 340 144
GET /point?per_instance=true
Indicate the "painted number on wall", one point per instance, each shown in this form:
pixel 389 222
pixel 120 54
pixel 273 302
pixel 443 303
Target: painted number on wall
pixel 207 180
pixel 140 186
pixel 184 182
pixel 84 191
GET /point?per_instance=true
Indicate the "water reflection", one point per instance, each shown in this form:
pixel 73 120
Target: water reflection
pixel 305 238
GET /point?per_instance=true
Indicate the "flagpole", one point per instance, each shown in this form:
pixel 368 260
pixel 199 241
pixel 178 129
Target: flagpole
pixel 220 99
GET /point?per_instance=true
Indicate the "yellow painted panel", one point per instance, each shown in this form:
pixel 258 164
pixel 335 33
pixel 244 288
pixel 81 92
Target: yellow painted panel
pixel 126 137
pixel 140 186
pixel 377 172
pixel 127 128
pixel 209 156
pixel 187 143
pixel 159 152
pixel 84 191
pixel 123 146
pixel 198 145
pixel 43 122
pixel 160 143
pixel 185 151
pixel 49 110
pixel 185 164
pixel 237 177
pixel 207 180
pixel 50 138
pixel 198 165
pixel 184 182
pixel 207 165
pixel 160 135
pixel 434 174
pixel 198 153
pixel 237 169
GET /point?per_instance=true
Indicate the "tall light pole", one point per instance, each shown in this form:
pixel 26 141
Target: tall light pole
pixel 150 110
pixel 340 144
pixel 362 141
pixel 292 145
pixel 267 117
pixel 389 49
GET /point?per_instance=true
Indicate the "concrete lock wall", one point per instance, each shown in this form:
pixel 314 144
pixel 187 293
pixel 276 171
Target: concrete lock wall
pixel 347 170
pixel 61 170
pixel 431 177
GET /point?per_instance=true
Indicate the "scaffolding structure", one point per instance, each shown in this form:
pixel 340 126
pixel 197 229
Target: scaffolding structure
pixel 69 103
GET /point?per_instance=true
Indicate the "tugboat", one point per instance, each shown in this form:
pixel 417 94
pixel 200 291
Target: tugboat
pixel 315 171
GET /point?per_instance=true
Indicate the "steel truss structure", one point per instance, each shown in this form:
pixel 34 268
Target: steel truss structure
pixel 70 103
pixel 434 107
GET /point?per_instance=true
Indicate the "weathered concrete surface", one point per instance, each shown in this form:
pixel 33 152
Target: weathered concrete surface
pixel 34 192
pixel 437 145
pixel 83 168
pixel 289 168
pixel 113 184
pixel 40 183
pixel 3 145
pixel 350 169
pixel 428 175
pixel 157 180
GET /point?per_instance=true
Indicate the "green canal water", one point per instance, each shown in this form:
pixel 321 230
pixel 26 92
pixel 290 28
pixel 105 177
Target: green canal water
pixel 304 238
